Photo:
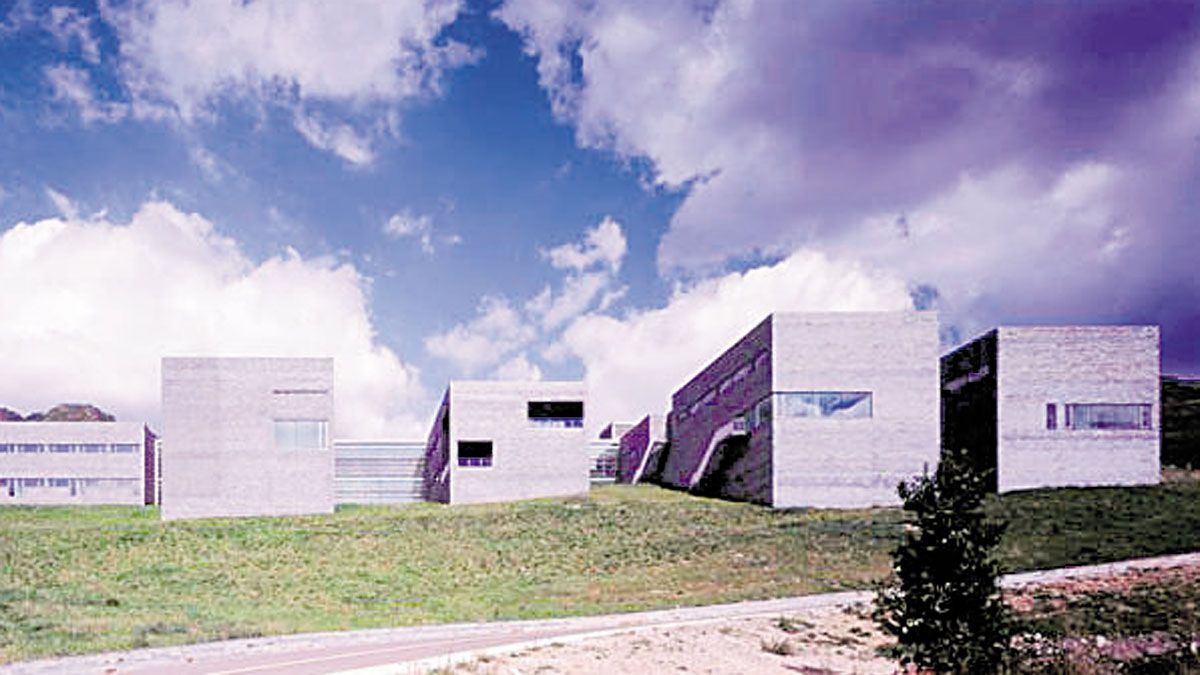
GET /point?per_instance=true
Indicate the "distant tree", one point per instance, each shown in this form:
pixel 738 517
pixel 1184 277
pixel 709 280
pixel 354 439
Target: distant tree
pixel 943 605
pixel 1181 422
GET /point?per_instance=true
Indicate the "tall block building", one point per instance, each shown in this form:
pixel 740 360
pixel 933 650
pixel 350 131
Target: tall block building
pixel 247 436
pixel 811 409
pixel 503 441
pixel 1049 406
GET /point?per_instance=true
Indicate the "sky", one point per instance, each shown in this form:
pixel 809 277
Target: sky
pixel 607 190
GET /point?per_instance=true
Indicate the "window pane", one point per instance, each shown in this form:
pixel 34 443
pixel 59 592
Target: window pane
pixel 842 404
pixel 474 453
pixel 301 434
pixel 1051 416
pixel 555 409
pixel 285 434
pixel 310 435
pixel 556 414
pixel 1108 416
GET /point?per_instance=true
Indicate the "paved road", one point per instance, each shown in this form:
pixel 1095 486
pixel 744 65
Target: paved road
pixel 421 648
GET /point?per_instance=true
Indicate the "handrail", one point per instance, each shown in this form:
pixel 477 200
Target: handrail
pixel 734 427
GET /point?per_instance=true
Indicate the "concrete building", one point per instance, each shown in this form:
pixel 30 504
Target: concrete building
pixel 246 436
pixel 640 452
pixel 378 472
pixel 1056 406
pixel 502 441
pixel 76 463
pixel 821 410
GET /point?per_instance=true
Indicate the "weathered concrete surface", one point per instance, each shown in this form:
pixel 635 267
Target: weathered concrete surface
pixel 789 461
pixel 219 451
pixel 1075 364
pixel 528 460
pixel 122 476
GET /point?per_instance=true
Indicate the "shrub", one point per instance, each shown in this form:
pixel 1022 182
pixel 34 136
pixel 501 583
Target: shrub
pixel 943 606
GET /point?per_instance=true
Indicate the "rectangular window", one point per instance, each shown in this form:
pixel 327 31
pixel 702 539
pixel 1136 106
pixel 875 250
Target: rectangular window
pixel 1108 416
pixel 124 447
pixel 94 447
pixel 560 414
pixel 5 447
pixel 302 434
pixel 59 482
pixel 474 453
pixel 30 447
pixel 62 447
pixel 33 482
pixel 1051 416
pixel 840 404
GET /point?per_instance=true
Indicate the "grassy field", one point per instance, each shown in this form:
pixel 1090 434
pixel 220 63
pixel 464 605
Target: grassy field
pixel 76 580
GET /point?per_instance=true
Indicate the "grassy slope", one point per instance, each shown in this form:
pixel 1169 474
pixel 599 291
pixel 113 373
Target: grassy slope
pixel 80 580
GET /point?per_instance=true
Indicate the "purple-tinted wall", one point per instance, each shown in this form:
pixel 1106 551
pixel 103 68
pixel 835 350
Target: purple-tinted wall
pixel 437 456
pixel 150 476
pixel 727 388
pixel 634 446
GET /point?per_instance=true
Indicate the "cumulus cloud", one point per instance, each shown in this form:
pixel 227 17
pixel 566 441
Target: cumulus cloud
pixel 63 204
pixel 68 26
pixel 406 224
pixel 101 302
pixel 500 328
pixel 603 245
pixel 518 368
pixel 790 126
pixel 340 139
pixel 497 330
pixel 634 362
pixel 183 58
pixel 73 86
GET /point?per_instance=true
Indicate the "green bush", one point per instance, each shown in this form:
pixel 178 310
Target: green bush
pixel 943 606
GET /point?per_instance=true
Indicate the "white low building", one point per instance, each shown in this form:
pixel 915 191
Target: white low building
pixel 76 463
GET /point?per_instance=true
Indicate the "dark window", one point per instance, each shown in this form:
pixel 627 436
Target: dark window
pixel 474 453
pixel 1051 416
pixel 555 410
pixel 567 414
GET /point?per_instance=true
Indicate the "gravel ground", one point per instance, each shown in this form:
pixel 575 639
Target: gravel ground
pixel 814 641
pixel 827 640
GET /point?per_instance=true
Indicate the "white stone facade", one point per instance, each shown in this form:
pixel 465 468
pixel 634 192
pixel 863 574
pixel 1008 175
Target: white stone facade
pixel 1068 366
pixel 887 360
pixel 529 458
pixel 229 428
pixel 76 463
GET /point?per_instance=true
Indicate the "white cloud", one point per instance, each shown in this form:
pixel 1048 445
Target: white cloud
pixel 497 330
pixel 419 227
pixel 101 302
pixel 577 294
pixel 604 244
pixel 211 166
pixel 1016 243
pixel 359 61
pixel 500 329
pixel 634 363
pixel 73 86
pixel 340 139
pixel 67 25
pixel 518 368
pixel 63 204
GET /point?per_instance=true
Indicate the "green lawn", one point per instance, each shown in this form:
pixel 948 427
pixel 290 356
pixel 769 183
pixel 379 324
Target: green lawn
pixel 76 580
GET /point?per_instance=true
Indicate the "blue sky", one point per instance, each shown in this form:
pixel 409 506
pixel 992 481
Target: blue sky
pixel 602 190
